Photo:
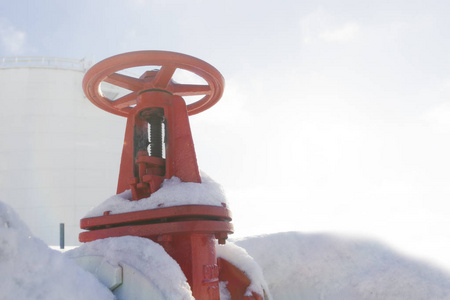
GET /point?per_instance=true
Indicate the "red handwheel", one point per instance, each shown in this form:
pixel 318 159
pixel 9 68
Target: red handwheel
pixel 107 71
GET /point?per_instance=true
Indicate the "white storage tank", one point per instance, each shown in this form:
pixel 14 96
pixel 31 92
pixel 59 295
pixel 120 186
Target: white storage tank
pixel 59 154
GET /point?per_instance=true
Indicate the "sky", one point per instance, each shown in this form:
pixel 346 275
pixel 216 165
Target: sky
pixel 335 116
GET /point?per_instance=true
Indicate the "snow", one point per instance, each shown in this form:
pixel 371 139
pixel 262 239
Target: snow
pixel 173 192
pixel 224 293
pixel 288 265
pixel 329 267
pixel 30 270
pixel 145 256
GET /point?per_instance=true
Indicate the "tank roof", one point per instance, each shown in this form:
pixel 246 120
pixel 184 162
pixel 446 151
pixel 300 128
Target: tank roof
pixel 45 62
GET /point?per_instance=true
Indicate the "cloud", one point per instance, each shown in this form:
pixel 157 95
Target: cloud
pixel 439 116
pixel 341 34
pixel 12 40
pixel 139 3
pixel 322 26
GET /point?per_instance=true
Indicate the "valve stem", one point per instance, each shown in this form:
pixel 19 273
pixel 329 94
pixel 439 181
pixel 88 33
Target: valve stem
pixel 154 140
pixel 155 135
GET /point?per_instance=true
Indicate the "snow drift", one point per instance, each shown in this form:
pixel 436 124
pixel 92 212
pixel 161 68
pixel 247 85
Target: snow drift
pixel 289 266
pixel 30 270
pixel 328 267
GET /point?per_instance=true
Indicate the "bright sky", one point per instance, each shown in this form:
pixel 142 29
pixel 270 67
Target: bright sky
pixel 335 117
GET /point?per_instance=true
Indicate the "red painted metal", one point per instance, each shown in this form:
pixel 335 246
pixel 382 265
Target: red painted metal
pixel 160 215
pixel 153 231
pixel 188 233
pixel 237 281
pixel 107 69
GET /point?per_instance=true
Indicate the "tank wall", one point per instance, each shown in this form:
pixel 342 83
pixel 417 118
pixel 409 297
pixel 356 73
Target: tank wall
pixel 59 153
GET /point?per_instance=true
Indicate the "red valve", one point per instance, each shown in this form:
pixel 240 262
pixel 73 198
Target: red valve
pixel 158 145
pixel 153 103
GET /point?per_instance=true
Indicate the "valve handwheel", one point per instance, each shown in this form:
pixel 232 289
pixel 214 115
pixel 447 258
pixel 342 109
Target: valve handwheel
pixel 107 69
